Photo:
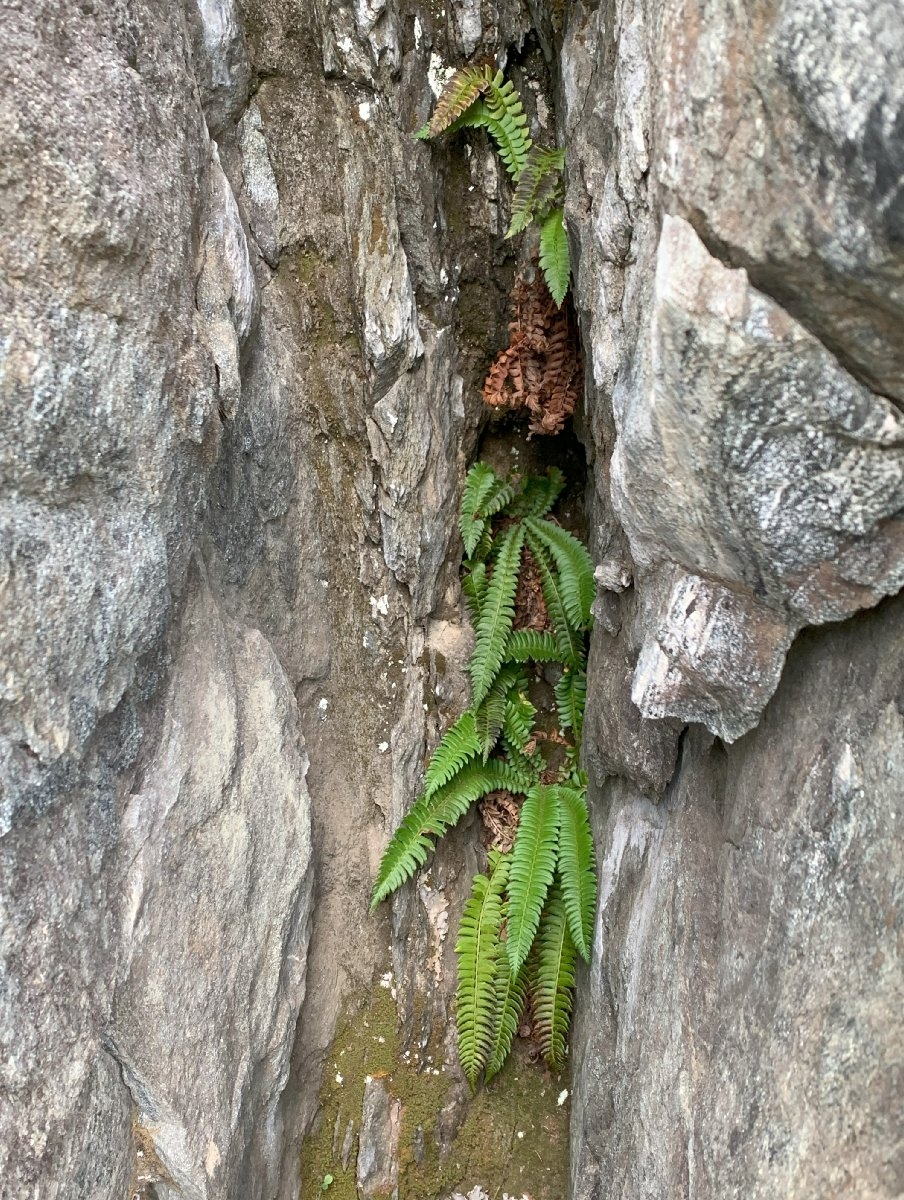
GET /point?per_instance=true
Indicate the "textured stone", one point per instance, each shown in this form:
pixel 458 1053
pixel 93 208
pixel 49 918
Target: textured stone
pixel 739 1030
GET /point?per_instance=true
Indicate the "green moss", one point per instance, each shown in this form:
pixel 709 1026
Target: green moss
pixel 486 1149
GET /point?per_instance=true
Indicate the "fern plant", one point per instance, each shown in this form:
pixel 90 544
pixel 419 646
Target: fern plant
pixel 531 914
pixel 481 98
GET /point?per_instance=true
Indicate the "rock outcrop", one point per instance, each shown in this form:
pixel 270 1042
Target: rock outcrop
pixel 244 315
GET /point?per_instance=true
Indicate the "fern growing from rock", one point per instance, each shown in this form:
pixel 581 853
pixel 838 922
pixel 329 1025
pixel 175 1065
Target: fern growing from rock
pixel 531 914
pixel 481 98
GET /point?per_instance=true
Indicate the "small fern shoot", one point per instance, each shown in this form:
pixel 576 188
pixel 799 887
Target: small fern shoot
pixel 571 697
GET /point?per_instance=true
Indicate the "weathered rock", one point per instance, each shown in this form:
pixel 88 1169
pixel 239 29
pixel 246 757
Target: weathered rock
pixel 378 1163
pixel 739 1031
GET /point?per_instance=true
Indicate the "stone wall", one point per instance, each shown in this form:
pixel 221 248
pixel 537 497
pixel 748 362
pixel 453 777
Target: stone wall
pixel 243 315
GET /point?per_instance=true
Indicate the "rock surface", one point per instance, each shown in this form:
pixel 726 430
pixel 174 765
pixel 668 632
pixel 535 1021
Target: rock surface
pixel 243 316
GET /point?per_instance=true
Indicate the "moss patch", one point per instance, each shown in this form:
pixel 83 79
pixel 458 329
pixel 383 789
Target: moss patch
pixel 512 1138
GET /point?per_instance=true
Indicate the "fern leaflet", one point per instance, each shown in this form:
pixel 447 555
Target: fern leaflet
pixel 458 746
pixel 552 981
pixel 477 949
pixel 571 697
pixel 537 187
pixel 529 645
pixel 497 613
pixel 411 844
pixel 555 260
pixel 575 569
pixel 569 640
pixel 511 996
pixel 532 869
pixel 465 86
pixel 577 874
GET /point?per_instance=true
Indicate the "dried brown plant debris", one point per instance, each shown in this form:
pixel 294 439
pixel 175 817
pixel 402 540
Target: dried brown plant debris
pixel 541 368
pixel 530 605
pixel 499 813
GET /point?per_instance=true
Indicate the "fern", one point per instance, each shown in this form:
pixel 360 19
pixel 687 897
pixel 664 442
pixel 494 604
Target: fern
pixel 577 875
pixel 529 645
pixel 537 188
pixel 537 495
pixel 458 746
pixel 552 981
pixel 477 949
pixel 575 568
pixel 460 92
pixel 571 697
pixel 431 817
pixel 507 123
pixel 497 613
pixel 532 870
pixel 511 996
pixel 568 639
pixel 474 586
pixel 555 260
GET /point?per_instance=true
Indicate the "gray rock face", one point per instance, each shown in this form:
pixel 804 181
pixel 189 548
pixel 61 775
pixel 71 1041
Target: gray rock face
pixel 739 1034
pixel 732 205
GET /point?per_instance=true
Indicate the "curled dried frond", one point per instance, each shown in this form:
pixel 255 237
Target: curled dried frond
pixel 540 369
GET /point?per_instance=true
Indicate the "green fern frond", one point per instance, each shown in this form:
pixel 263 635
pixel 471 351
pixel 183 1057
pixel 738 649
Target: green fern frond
pixel 552 981
pixel 518 724
pixel 459 93
pixel 577 871
pixel 428 818
pixel 422 134
pixel 497 613
pixel 538 494
pixel 555 259
pixel 474 586
pixel 490 713
pixel 571 698
pixel 568 639
pixel 507 124
pixel 530 645
pixel 532 869
pixel 511 996
pixel 478 949
pixel 458 746
pixel 575 568
pixel 537 188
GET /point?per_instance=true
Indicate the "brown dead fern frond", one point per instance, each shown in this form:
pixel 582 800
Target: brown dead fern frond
pixel 540 370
